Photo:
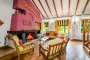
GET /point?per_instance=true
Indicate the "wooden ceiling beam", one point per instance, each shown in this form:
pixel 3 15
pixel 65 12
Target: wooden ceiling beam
pixel 69 7
pixel 55 8
pixel 42 7
pixel 76 7
pixel 85 6
pixel 61 7
pixel 37 8
pixel 48 7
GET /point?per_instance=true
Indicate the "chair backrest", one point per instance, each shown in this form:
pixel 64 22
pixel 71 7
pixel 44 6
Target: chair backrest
pixel 66 41
pixel 66 38
pixel 16 41
pixel 55 49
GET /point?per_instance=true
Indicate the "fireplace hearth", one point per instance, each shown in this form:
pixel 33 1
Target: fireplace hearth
pixel 25 35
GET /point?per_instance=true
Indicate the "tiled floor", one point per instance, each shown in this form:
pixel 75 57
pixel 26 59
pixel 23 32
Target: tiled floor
pixel 75 51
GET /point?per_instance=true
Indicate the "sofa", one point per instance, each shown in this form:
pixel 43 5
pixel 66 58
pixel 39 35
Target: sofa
pixel 52 34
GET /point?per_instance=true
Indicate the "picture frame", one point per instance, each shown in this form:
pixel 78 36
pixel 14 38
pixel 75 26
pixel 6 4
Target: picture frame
pixel 26 22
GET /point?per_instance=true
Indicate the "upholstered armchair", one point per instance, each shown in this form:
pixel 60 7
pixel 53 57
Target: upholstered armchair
pixel 28 47
pixel 52 52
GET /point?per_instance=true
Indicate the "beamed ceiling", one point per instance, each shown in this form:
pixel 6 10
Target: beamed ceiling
pixel 62 8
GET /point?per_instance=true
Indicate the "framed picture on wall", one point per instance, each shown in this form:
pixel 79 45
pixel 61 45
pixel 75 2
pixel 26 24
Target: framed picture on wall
pixel 1 23
pixel 26 22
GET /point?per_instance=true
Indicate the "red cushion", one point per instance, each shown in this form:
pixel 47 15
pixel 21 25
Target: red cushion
pixel 55 34
pixel 47 34
pixel 20 42
pixel 62 37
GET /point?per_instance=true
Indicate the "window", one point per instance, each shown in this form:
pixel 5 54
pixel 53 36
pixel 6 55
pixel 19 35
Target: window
pixel 82 25
pixel 88 24
pixel 85 24
pixel 62 27
pixel 45 26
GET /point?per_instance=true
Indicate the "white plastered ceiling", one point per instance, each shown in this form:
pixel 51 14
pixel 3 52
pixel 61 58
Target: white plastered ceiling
pixel 62 8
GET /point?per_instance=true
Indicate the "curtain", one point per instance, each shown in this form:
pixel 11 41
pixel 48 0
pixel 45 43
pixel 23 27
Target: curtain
pixel 56 26
pixel 62 22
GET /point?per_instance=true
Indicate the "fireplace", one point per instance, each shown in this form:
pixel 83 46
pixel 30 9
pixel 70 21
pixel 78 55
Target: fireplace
pixel 30 36
pixel 25 35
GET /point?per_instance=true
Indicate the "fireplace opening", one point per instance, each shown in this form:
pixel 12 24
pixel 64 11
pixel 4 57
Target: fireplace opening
pixel 30 36
pixel 38 31
pixel 19 36
pixel 26 35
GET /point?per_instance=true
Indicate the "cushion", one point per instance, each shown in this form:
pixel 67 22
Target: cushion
pixel 61 37
pixel 20 42
pixel 47 34
pixel 51 33
pixel 55 34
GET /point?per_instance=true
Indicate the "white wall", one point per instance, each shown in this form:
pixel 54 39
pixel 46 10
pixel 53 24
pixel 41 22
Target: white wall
pixel 6 12
pixel 75 32
pixel 85 16
pixel 51 23
pixel 76 28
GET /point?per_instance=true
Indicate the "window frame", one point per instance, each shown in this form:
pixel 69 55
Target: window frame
pixel 84 24
pixel 63 23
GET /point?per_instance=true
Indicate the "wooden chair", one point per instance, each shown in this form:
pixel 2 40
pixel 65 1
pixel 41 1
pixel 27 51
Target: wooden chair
pixel 52 52
pixel 65 43
pixel 86 39
pixel 28 47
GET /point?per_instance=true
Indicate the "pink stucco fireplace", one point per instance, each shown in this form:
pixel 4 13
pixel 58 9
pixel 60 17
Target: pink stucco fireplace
pixel 23 21
pixel 26 35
